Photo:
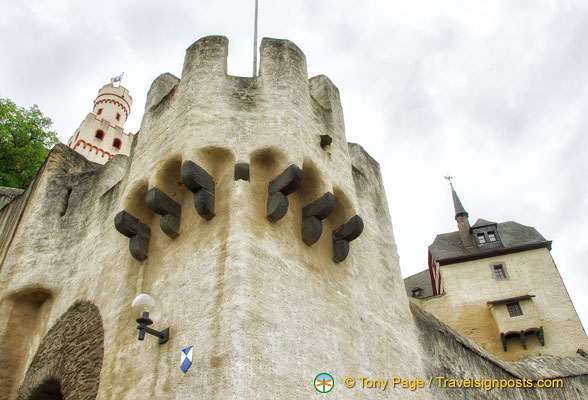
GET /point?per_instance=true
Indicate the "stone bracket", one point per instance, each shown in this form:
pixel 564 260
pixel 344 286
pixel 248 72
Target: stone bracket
pixel 343 235
pixel 541 336
pixel 279 188
pixel 169 209
pixel 312 216
pixel 241 172
pixel 523 340
pixel 503 340
pixel 138 232
pixel 202 185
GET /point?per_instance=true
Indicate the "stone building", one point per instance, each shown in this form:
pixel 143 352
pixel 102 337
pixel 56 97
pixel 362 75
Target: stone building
pixel 101 135
pixel 497 284
pixel 264 237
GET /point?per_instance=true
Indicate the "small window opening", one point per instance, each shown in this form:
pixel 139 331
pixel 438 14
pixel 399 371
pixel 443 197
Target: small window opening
pixel 514 309
pixel 118 116
pixel 491 236
pixel 416 292
pixel 481 238
pixel 99 111
pixel 499 272
pixel 99 134
pixel 117 143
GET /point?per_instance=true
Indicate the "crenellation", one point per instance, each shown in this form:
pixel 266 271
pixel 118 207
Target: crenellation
pixel 206 59
pixel 161 87
pixel 282 66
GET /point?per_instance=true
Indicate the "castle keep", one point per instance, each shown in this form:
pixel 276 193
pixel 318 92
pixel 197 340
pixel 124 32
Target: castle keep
pixel 264 237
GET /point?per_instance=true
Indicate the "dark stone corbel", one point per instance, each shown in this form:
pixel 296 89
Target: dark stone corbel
pixel 343 235
pixel 202 185
pixel 312 216
pixel 241 172
pixel 169 209
pixel 523 340
pixel 138 232
pixel 541 336
pixel 279 188
pixel 503 340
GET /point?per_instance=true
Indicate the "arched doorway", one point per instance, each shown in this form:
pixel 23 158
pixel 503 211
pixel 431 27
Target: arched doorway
pixel 69 359
pixel 48 390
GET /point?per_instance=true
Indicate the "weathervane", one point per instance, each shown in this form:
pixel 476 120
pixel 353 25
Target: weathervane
pixel 448 177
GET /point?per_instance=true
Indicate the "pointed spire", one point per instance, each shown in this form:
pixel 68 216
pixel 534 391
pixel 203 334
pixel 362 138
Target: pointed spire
pixel 459 209
pixel 457 206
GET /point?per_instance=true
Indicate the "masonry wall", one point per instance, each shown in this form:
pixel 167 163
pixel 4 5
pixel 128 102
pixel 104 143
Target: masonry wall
pixel 264 311
pixel 470 285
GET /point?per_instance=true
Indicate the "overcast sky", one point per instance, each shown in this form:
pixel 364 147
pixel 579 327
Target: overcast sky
pixel 493 92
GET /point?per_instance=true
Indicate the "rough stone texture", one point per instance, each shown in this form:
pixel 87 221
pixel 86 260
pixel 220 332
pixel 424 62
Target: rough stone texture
pixel 7 194
pixel 453 355
pixel 265 312
pixel 69 359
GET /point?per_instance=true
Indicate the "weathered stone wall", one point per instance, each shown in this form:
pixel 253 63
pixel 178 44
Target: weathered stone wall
pixel 451 355
pixel 7 194
pixel 265 311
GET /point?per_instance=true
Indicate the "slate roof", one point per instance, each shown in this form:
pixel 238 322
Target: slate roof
pixel 421 280
pixel 482 222
pixel 459 208
pixel 447 247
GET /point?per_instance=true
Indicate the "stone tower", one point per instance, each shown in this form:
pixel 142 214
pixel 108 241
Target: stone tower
pixel 101 135
pixel 264 236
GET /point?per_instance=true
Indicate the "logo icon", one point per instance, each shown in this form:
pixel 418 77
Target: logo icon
pixel 186 360
pixel 324 383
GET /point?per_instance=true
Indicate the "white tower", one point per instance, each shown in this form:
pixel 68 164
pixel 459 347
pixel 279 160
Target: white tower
pixel 101 136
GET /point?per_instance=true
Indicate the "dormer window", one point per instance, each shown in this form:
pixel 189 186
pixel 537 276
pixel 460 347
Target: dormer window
pixel 491 236
pixel 481 238
pixel 417 292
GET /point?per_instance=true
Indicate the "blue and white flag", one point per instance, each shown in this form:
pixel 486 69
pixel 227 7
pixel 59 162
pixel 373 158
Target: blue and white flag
pixel 117 78
pixel 186 360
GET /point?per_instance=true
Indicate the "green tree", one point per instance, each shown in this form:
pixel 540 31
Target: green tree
pixel 25 140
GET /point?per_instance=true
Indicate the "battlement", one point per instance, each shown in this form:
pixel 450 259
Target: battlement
pixel 306 112
pixel 118 94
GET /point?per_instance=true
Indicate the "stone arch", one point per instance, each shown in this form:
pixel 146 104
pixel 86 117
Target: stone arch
pixel 343 209
pixel 266 163
pixel 135 202
pixel 167 179
pixel 69 359
pixel 26 319
pixel 313 185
